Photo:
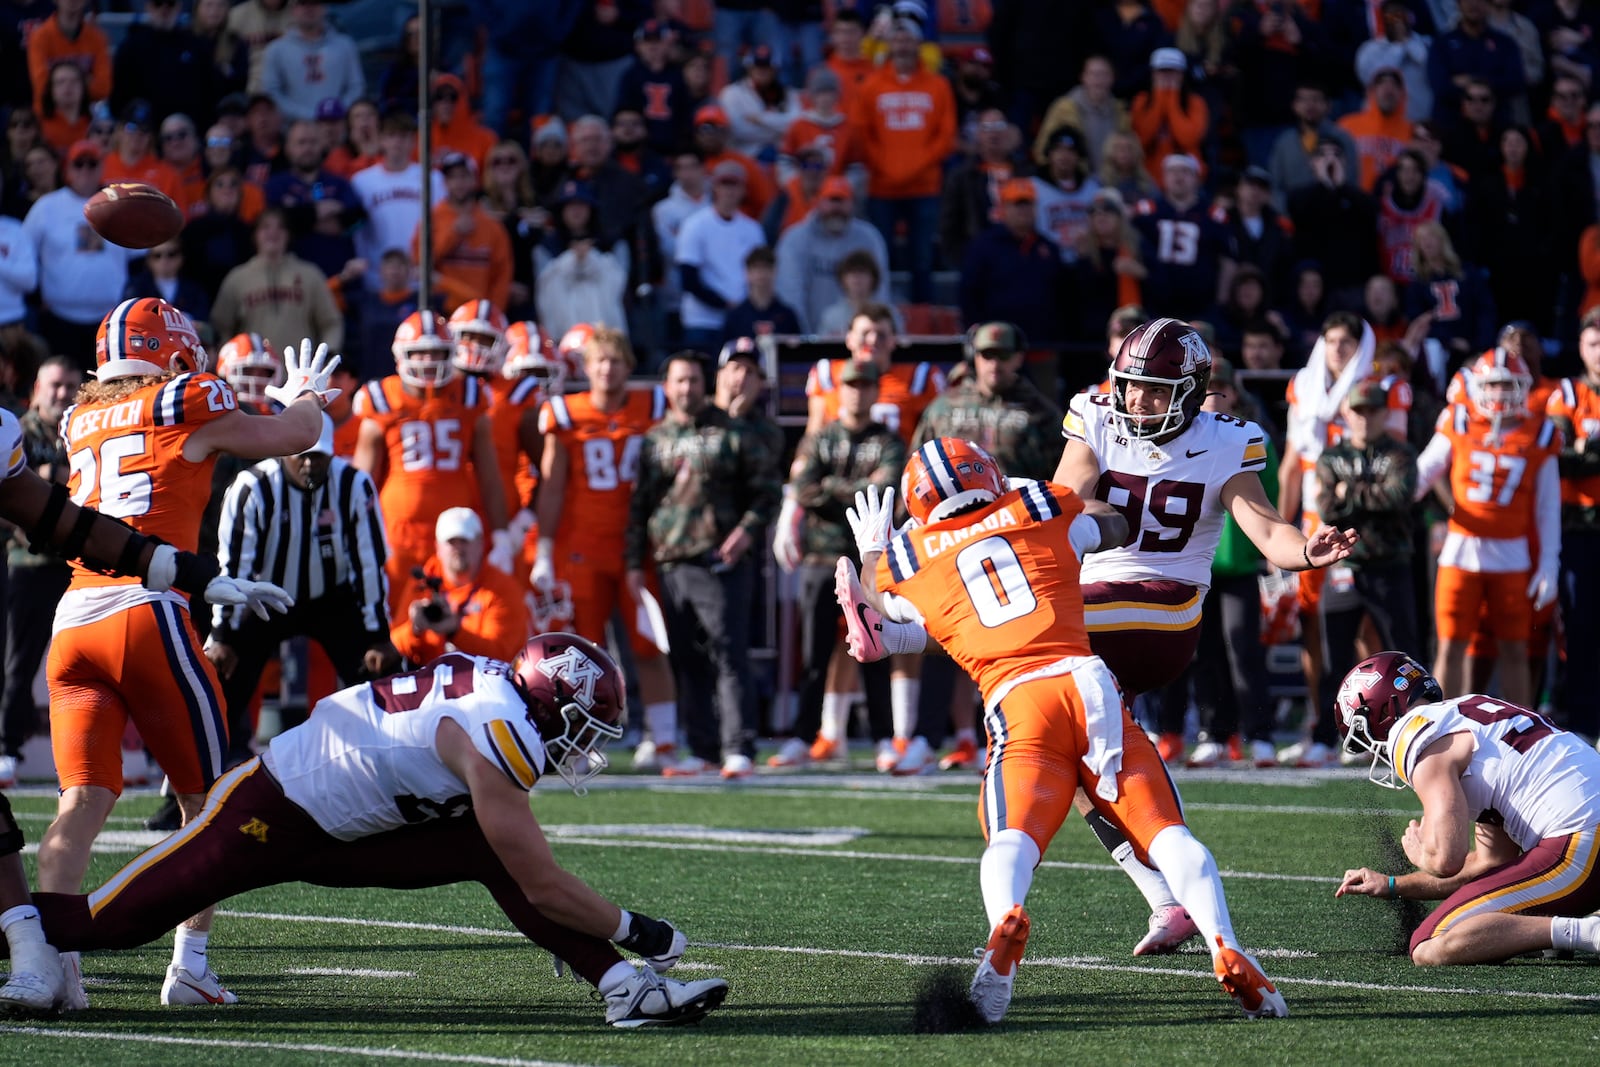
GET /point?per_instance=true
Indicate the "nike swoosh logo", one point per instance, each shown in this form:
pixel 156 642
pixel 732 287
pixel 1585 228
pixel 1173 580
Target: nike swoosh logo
pixel 1202 452
pixel 861 611
pixel 209 999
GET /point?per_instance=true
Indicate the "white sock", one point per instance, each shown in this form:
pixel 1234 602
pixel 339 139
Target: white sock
pixel 1576 935
pixel 189 949
pixel 835 710
pixel 1192 873
pixel 662 722
pixel 619 972
pixel 903 696
pixel 21 927
pixel 1151 885
pixel 1006 872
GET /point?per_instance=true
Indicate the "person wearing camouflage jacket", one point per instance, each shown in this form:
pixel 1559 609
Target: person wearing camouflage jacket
pixel 706 486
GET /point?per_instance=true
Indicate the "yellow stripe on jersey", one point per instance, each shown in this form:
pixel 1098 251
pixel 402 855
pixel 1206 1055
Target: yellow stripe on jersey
pixel 1254 452
pixel 1072 425
pixel 19 459
pixel 164 848
pixel 1401 743
pixel 510 751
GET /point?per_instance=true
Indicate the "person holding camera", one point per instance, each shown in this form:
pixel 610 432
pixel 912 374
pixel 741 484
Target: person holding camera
pixel 462 604
pixel 309 523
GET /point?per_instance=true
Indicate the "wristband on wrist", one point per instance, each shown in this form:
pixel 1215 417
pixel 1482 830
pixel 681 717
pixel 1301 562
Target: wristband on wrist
pixel 1393 892
pixel 1305 552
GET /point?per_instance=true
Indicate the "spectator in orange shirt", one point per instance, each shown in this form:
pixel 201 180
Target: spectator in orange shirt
pixel 848 59
pixel 355 144
pixel 1169 118
pixel 131 159
pixel 907 118
pixel 454 128
pixel 64 106
pixel 711 137
pixel 799 194
pixel 1380 130
pixel 463 604
pixel 822 121
pixel 471 252
pixel 68 35
pixel 180 150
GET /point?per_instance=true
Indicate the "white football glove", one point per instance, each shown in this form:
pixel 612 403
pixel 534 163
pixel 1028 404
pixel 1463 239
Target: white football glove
pixel 543 575
pixel 305 373
pixel 263 598
pixel 502 551
pixel 520 524
pixel 872 519
pixel 786 543
pixel 1543 588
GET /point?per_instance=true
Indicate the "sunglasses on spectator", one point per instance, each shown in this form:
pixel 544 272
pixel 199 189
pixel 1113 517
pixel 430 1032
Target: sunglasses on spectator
pixel 174 135
pixel 88 163
pixel 219 142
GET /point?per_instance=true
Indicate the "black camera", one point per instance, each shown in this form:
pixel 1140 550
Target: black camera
pixel 433 611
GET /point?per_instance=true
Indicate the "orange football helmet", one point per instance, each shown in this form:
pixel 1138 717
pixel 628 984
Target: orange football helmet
pixel 1498 383
pixel 570 350
pixel 250 365
pixel 948 475
pixel 422 349
pixel 480 332
pixel 147 335
pixel 530 351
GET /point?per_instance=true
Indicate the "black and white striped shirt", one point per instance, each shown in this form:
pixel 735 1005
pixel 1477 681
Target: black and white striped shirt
pixel 310 543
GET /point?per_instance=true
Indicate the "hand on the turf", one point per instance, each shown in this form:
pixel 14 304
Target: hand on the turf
pixel 1363 882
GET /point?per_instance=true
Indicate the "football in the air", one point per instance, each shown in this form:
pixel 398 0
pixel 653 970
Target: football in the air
pixel 133 215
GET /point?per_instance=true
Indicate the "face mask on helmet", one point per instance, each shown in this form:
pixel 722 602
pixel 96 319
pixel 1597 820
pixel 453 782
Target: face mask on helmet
pixel 1498 385
pixel 1168 353
pixel 552 610
pixel 528 351
pixel 249 366
pixel 479 330
pixel 947 476
pixel 422 349
pixel 1371 701
pixel 576 698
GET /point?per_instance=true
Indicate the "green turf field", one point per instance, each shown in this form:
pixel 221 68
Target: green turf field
pixel 826 901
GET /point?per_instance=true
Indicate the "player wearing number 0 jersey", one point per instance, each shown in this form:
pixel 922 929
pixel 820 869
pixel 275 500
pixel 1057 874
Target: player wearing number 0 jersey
pixel 417 780
pixel 1489 770
pixel 142 441
pixel 991 573
pixel 426 442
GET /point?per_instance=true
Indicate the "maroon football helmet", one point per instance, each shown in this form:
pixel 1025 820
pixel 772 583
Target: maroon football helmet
pixel 1162 352
pixel 576 697
pixel 1373 698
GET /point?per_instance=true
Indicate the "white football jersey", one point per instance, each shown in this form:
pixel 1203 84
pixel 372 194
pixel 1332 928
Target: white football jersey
pixel 1538 781
pixel 1171 494
pixel 12 454
pixel 365 761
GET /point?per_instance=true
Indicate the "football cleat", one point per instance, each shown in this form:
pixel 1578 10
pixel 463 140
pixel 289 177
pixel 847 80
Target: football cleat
pixel 650 756
pixel 916 759
pixel 35 983
pixel 738 766
pixel 8 771
pixel 825 751
pixel 1242 977
pixel 997 971
pixel 1169 927
pixel 792 753
pixel 888 754
pixel 1208 754
pixel 965 756
pixel 73 997
pixel 1311 754
pixel 1170 747
pixel 648 999
pixel 183 986
pixel 1262 754
pixel 688 767
pixel 863 625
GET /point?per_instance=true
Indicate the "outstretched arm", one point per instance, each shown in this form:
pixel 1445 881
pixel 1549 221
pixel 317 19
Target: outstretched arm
pixel 1280 542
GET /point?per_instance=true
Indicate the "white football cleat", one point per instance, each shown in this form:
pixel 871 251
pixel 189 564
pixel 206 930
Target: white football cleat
pixel 1311 754
pixel 8 771
pixel 73 997
pixel 649 999
pixel 918 758
pixel 1208 754
pixel 1169 928
pixel 650 756
pixel 1262 754
pixel 997 972
pixel 792 753
pixel 36 981
pixel 184 987
pixel 738 766
pixel 1247 984
pixel 887 756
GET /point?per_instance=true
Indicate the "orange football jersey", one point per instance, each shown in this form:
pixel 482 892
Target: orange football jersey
pixel 508 400
pixel 127 460
pixel 346 435
pixel 1576 401
pixel 1493 480
pixel 428 441
pixel 602 462
pixel 997 587
pixel 904 393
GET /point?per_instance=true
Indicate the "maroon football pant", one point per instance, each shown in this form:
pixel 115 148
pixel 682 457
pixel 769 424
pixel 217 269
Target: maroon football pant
pixel 250 835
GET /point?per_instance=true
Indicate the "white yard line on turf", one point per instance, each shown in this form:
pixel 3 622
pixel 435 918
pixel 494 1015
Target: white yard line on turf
pixel 419 1055
pixel 1067 962
pixel 348 972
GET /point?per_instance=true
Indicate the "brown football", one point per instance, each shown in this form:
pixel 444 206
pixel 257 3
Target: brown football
pixel 133 215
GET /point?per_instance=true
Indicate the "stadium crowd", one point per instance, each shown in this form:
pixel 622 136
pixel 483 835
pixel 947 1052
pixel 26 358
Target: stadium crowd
pixel 1381 216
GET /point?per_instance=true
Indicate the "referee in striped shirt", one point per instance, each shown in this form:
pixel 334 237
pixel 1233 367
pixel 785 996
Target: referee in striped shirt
pixel 312 523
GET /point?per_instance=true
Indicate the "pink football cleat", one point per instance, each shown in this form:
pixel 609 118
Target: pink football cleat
pixel 863 624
